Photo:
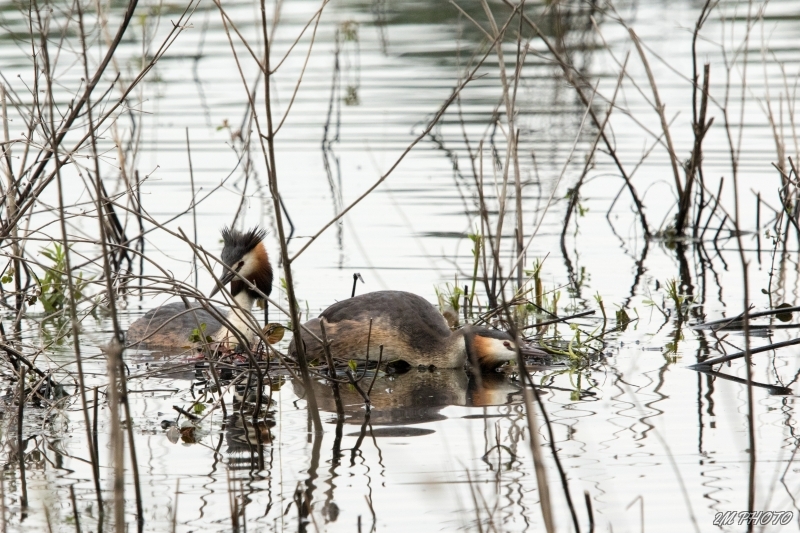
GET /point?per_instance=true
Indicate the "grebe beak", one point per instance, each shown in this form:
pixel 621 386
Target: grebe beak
pixel 528 350
pixel 226 278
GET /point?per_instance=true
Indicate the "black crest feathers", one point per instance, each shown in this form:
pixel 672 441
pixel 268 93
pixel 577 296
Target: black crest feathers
pixel 235 244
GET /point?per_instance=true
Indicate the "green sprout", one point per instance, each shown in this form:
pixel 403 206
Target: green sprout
pixel 198 335
pixel 54 286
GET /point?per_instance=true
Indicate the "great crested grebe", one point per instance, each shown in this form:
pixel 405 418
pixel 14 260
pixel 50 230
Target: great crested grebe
pixel 410 329
pixel 171 325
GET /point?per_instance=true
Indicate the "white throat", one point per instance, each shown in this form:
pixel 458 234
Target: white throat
pixel 241 319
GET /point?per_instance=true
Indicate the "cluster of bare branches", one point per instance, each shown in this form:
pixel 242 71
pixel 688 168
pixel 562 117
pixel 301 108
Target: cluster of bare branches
pixel 56 194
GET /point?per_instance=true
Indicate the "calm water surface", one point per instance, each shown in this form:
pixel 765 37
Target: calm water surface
pixel 650 441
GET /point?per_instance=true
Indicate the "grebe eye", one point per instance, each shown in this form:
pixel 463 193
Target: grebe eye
pixel 239 266
pixel 507 345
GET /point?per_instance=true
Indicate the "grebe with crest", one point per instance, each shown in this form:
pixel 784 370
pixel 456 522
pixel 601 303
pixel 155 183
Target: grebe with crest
pixel 410 329
pixel 172 325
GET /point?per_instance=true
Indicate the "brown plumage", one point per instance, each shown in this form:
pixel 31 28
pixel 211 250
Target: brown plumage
pixel 171 325
pixel 244 252
pixel 409 328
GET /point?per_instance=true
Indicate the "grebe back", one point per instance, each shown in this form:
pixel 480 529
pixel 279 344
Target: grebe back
pixel 410 328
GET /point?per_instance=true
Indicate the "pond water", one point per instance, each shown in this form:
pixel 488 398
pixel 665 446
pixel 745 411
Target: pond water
pixel 651 444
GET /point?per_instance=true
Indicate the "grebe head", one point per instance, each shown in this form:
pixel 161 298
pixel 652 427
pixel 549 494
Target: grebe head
pixel 244 253
pixel 490 348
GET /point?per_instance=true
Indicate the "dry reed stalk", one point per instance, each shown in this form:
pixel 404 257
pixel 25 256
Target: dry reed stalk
pixel 175 506
pixel 659 107
pixel 268 152
pixel 589 510
pixel 193 207
pixel 326 346
pixel 114 356
pixel 575 191
pixel 269 156
pixel 11 209
pixel 735 151
pixel 519 258
pixel 317 16
pixel 512 138
pixel 3 523
pixel 73 315
pixel 425 132
pixel 530 393
pixel 697 123
pixel 23 483
pixel 694 169
pixel 536 450
pixel 751 493
pixel 575 79
pixel 116 345
pixel 377 369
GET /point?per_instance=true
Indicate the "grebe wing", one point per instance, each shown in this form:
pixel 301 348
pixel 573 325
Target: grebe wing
pixel 414 318
pixel 171 325
pixel 393 306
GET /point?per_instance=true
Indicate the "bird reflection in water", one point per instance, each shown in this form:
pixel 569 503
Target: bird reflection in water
pixel 242 435
pixel 414 397
pixel 399 402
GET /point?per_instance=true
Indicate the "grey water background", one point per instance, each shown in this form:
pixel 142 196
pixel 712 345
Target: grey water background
pixel 652 442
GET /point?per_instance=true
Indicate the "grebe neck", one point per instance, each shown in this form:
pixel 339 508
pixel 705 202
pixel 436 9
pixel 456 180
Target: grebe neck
pixel 456 351
pixel 240 318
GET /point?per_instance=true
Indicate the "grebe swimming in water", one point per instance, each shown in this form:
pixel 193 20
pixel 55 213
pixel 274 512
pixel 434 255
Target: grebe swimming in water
pixel 411 329
pixel 171 325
